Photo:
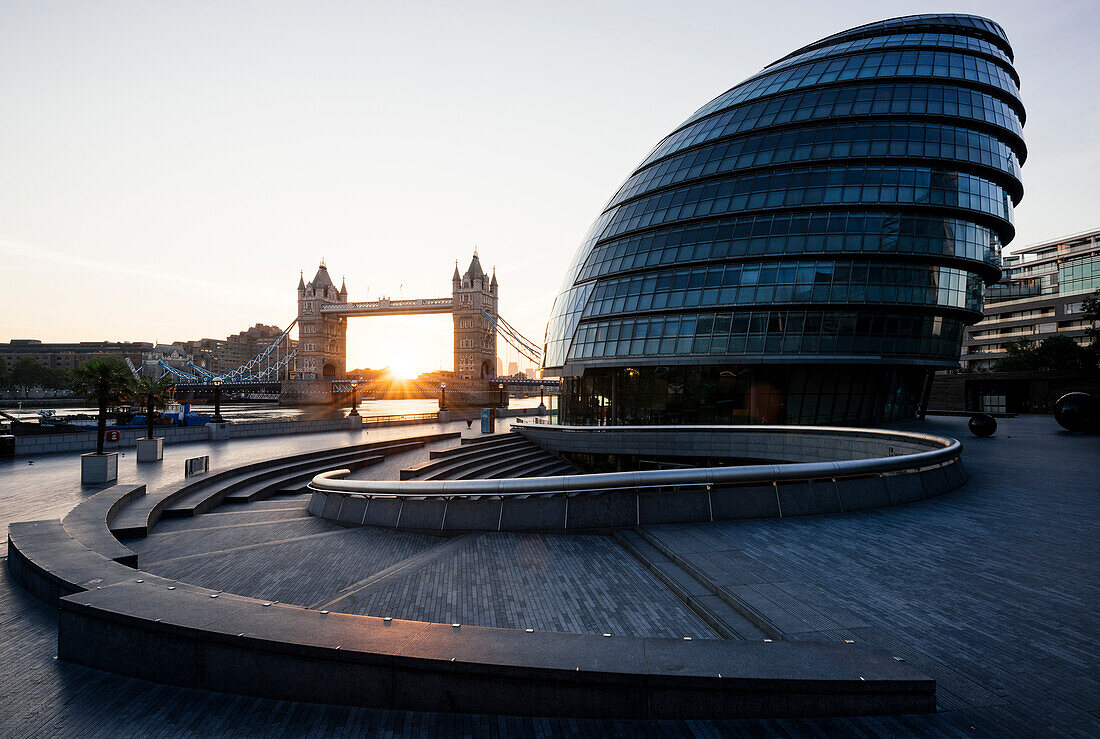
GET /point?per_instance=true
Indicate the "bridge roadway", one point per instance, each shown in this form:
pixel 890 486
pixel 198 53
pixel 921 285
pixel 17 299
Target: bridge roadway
pixel 387 307
pixel 990 589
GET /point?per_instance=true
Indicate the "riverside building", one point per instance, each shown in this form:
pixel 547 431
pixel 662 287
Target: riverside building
pixel 1040 296
pixel 809 246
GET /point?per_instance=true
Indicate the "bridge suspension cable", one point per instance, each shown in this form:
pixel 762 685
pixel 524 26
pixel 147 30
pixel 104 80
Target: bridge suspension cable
pixel 257 369
pixel 514 338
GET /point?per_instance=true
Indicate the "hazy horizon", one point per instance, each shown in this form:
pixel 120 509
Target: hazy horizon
pixel 168 170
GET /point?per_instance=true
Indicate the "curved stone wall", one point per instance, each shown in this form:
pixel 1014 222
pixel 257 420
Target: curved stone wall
pixel 831 470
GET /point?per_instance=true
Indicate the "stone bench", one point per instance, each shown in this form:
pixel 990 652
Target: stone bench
pixel 229 643
pixel 49 563
pixel 89 522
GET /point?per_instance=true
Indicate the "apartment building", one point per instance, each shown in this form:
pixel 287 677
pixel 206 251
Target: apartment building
pixel 1040 295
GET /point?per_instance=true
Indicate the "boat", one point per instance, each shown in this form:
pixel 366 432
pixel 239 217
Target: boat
pixel 174 415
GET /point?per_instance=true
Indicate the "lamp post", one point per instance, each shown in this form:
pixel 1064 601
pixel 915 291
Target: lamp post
pixel 354 398
pixel 501 386
pixel 442 396
pixel 217 383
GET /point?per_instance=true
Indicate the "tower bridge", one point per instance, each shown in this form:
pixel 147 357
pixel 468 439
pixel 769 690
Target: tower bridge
pixel 323 312
pixel 387 307
pixel 315 368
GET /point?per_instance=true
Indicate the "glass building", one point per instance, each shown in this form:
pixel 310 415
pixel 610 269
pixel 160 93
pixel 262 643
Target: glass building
pixel 808 246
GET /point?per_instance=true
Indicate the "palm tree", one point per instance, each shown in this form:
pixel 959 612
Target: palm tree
pixel 105 381
pixel 152 394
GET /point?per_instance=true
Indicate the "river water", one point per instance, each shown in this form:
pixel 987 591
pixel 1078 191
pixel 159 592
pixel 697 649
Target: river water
pixel 270 411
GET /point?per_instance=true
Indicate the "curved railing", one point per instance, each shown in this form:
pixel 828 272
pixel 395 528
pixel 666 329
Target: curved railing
pixel 849 469
pixel 942 450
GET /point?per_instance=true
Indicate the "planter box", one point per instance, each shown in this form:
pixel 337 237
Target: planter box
pixel 150 450
pixel 96 469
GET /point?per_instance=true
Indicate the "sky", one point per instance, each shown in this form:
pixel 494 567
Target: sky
pixel 167 169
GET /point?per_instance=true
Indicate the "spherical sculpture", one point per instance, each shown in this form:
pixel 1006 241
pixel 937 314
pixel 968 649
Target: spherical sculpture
pixel 808 246
pixel 983 425
pixel 1078 412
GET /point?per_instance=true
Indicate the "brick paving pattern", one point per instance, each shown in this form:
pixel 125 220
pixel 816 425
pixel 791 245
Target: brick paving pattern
pixel 582 584
pixel 991 589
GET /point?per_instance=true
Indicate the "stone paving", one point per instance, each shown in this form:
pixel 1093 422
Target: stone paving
pixel 583 584
pixel 991 589
pixel 47 485
pixel 298 561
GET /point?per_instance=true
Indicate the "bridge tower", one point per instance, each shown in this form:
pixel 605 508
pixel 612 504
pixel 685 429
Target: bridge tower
pixel 475 335
pixel 322 338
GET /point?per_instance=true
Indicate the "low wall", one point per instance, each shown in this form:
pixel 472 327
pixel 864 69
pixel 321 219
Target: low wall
pixel 196 638
pixel 84 441
pixel 773 443
pixel 837 470
pixel 474 414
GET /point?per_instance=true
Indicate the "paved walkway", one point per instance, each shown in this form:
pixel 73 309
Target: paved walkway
pixel 992 589
pixel 48 485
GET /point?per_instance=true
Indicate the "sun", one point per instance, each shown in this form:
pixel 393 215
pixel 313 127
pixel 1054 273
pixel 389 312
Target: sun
pixel 404 368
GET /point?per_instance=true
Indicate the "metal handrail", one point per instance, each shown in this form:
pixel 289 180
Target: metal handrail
pixel 946 450
pixel 401 417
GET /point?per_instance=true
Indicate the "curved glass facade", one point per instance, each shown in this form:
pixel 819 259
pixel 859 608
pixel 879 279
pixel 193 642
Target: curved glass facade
pixel 808 246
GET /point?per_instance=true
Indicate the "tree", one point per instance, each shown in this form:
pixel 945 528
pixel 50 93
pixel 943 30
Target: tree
pixel 1090 306
pixel 29 373
pixel 5 376
pixel 152 394
pixel 105 381
pixel 1060 352
pixel 1021 357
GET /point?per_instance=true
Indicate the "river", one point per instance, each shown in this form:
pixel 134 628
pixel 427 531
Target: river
pixel 270 411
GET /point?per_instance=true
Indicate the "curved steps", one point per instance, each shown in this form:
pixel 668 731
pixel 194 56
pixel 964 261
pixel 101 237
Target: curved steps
pixel 492 458
pixel 205 492
pixel 89 522
pixel 445 459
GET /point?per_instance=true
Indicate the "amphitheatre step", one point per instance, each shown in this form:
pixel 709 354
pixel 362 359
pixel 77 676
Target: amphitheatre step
pixel 552 468
pixel 291 490
pixel 547 466
pixel 455 469
pixel 88 522
pixel 261 489
pixel 526 467
pixel 297 481
pixel 458 455
pixel 209 497
pixel 726 621
pixel 206 499
pixel 136 518
pixel 501 440
pixel 485 439
pixel 489 469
